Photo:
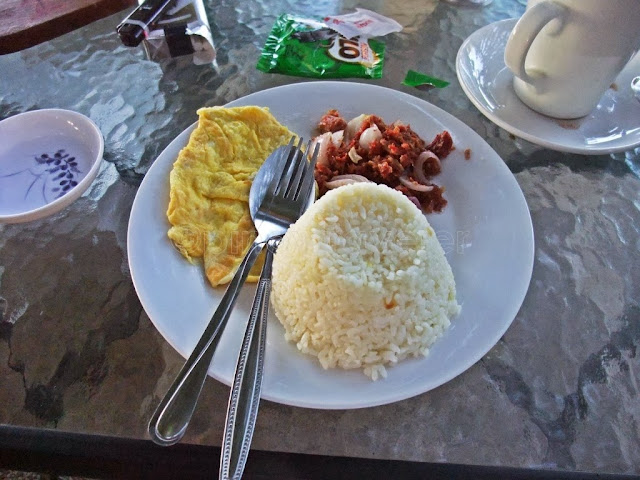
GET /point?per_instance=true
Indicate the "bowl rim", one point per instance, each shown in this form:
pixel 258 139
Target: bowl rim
pixel 74 193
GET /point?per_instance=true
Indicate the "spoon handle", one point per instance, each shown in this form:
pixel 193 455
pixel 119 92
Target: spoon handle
pixel 245 392
pixel 171 418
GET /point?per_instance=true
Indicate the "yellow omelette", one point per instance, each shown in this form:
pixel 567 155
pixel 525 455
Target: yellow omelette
pixel 209 187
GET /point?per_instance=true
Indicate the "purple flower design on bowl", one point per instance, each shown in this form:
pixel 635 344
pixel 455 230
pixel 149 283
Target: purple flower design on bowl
pixel 61 171
pixel 57 172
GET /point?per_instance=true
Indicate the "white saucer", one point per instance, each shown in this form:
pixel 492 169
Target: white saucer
pixel 47 159
pixel 612 127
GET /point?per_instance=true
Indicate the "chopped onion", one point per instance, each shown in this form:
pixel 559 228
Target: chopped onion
pixel 337 137
pixel 341 180
pixel 353 126
pixel 415 201
pixel 323 142
pixel 418 187
pixel 369 136
pixel 418 167
pixel 353 155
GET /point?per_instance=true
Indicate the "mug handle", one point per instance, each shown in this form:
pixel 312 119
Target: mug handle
pixel 525 32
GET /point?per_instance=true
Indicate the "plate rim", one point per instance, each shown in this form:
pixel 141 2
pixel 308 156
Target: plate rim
pixel 443 117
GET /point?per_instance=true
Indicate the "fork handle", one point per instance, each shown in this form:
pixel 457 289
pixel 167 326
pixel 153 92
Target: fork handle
pixel 245 392
pixel 171 418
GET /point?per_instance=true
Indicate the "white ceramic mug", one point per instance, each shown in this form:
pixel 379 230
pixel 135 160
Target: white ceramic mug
pixel 566 53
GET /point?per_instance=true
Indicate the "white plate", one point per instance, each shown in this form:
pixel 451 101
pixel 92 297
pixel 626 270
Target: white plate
pixel 612 127
pixel 48 158
pixel 485 230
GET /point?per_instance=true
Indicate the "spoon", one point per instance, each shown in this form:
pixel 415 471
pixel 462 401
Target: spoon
pixel 171 418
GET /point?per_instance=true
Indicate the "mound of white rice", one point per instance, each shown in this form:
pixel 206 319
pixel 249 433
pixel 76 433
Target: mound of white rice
pixel 361 281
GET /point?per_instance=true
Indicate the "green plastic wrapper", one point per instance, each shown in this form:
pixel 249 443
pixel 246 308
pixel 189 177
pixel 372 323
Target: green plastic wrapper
pixel 308 48
pixel 422 81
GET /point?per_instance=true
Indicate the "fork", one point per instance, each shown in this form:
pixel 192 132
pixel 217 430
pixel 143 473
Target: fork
pixel 274 215
pixel 244 398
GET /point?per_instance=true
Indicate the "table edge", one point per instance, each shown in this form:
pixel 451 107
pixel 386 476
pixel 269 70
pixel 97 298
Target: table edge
pixel 98 456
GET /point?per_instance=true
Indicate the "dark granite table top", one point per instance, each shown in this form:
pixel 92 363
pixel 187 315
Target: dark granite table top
pixel 78 354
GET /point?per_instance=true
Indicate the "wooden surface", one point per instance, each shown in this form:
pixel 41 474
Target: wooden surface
pixel 25 23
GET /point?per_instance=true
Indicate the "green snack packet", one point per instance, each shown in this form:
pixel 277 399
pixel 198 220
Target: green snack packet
pixel 422 81
pixel 308 48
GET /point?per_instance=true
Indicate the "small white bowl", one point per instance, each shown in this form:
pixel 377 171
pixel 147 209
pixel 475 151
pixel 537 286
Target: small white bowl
pixel 48 158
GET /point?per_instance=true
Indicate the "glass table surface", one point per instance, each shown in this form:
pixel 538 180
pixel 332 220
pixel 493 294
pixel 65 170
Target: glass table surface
pixel 78 353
